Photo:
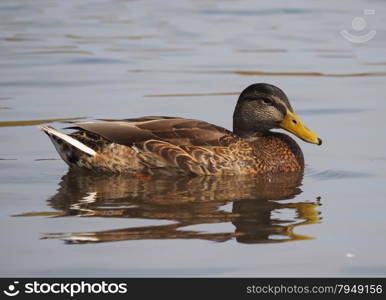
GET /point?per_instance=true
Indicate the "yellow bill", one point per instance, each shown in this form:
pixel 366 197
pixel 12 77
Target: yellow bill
pixel 293 124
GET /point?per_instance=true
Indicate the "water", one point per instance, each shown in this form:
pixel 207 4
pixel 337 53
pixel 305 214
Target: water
pixel 68 60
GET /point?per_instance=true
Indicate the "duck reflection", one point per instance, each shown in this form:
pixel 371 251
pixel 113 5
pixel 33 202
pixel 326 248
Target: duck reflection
pixel 262 209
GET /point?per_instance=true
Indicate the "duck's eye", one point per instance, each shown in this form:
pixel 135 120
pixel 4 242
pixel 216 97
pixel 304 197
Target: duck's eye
pixel 267 101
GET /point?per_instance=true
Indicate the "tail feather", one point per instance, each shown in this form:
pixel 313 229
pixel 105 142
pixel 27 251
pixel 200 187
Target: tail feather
pixel 56 135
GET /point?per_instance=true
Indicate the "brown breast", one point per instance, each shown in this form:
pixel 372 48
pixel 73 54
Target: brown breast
pixel 277 152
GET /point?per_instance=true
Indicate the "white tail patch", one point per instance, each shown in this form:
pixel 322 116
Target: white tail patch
pixel 53 132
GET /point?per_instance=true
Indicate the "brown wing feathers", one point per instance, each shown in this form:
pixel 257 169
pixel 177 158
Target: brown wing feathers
pixel 177 131
pixel 182 145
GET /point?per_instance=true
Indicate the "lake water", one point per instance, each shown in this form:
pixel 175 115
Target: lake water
pixel 66 60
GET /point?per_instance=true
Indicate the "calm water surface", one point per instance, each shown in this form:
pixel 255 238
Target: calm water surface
pixel 62 61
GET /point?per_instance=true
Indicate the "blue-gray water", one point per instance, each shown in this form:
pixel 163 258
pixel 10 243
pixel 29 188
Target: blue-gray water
pixel 116 59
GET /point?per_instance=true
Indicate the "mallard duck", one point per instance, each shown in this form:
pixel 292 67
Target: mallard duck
pixel 179 146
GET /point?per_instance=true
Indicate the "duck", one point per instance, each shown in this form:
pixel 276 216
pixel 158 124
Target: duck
pixel 176 146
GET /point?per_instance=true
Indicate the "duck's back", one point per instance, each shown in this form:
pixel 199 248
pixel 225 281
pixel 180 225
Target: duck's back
pixel 174 130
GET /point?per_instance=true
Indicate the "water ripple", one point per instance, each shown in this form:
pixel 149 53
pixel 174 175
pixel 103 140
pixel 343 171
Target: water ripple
pixel 265 73
pixel 337 174
pixel 331 111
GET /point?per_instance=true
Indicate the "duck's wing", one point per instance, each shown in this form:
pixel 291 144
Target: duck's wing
pixel 176 131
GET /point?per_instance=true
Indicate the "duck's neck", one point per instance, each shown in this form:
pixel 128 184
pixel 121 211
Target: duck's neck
pixel 247 132
pixel 245 125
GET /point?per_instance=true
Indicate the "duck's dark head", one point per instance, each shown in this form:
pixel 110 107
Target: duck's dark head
pixel 262 107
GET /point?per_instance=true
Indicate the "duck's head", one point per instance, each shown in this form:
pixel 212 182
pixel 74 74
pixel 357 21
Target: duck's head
pixel 262 107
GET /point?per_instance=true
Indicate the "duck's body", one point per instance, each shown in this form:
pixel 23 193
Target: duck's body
pixel 178 146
